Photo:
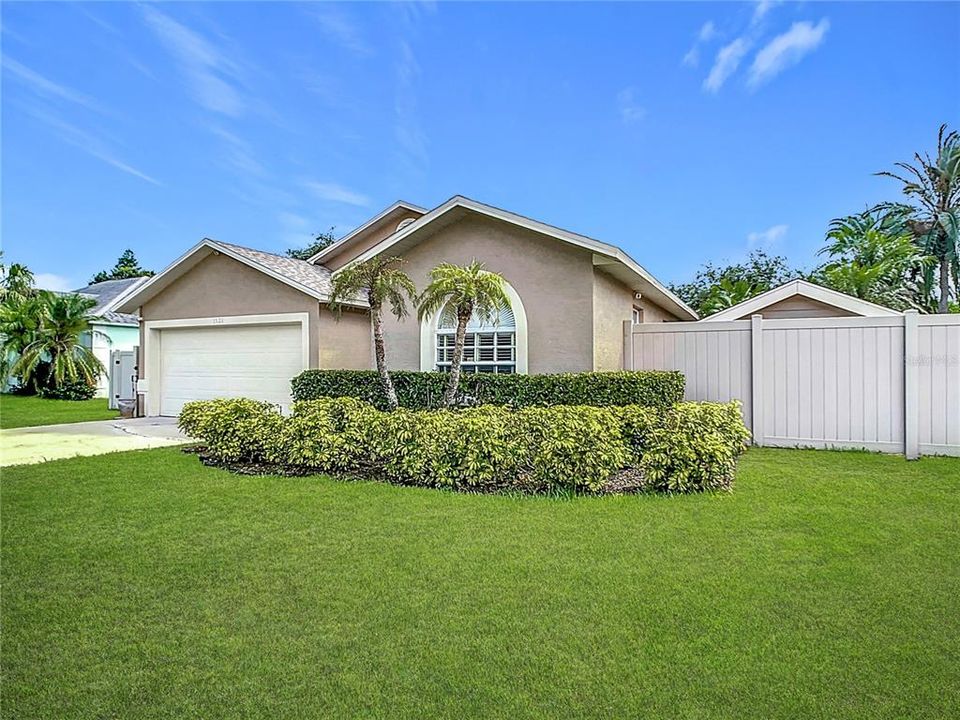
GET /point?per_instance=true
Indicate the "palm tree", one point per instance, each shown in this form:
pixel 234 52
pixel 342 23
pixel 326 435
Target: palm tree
pixel 933 193
pixel 873 257
pixel 728 293
pixel 462 291
pixel 57 340
pixel 380 281
pixel 16 283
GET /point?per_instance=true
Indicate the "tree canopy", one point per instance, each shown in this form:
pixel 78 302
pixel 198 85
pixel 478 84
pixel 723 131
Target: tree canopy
pixel 321 241
pixel 127 267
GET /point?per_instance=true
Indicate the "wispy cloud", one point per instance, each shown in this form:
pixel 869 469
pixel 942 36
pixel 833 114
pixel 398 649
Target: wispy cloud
pixel 52 281
pixel 341 30
pixel 786 50
pixel 631 111
pixel 90 144
pixel 707 32
pixel 211 75
pixel 238 154
pixel 767 238
pixel 407 129
pixel 45 87
pixel 761 9
pixel 726 63
pixel 331 192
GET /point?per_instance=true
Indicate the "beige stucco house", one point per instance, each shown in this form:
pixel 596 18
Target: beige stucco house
pixel 225 320
pixel 801 299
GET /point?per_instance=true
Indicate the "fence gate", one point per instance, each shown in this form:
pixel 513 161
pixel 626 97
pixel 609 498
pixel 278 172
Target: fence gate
pixel 123 376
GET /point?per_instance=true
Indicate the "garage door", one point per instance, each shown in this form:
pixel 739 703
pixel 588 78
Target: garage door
pixel 255 361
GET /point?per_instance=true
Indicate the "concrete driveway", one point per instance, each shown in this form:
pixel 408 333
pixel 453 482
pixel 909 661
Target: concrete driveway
pixel 25 446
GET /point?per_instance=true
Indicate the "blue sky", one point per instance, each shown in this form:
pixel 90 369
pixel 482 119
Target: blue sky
pixel 682 132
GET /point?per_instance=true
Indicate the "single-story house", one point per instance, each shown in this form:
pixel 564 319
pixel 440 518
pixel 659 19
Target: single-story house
pixel 112 330
pixel 801 299
pixel 225 320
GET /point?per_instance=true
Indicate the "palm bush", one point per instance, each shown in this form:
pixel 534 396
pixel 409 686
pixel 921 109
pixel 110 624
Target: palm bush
pixel 461 292
pixel 380 281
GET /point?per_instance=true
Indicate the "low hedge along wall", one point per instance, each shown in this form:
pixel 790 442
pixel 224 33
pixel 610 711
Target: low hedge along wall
pixel 686 448
pixel 424 390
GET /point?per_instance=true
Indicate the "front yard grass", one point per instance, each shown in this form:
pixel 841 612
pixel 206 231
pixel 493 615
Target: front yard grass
pixel 26 411
pixel 145 585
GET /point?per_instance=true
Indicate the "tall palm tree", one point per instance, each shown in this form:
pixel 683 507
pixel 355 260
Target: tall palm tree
pixel 932 187
pixel 380 281
pixel 63 320
pixel 16 283
pixel 873 257
pixel 462 291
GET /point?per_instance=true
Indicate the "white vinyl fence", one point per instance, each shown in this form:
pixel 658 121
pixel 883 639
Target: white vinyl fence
pixel 880 383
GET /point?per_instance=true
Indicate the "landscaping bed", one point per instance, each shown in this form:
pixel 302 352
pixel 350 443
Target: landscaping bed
pixel 688 447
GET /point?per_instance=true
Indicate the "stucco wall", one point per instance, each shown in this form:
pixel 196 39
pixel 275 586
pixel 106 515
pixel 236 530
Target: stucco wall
pixel 220 286
pixel 365 240
pixel 612 304
pixel 554 282
pixel 799 306
pixel 345 343
pixel 653 313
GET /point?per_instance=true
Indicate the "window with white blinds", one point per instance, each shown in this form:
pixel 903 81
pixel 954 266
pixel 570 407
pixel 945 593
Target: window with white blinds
pixel 488 346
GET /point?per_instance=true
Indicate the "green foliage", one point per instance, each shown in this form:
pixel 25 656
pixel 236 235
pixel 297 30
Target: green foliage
pixel 41 341
pixel 321 241
pixel 234 429
pixel 873 257
pixel 690 447
pixel 379 281
pixel 127 267
pixel 716 288
pixel 424 390
pixel 69 390
pixel 931 186
pixel 460 293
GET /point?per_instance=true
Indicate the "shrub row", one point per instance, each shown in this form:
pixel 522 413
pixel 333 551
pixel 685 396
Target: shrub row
pixel 424 390
pixel 686 448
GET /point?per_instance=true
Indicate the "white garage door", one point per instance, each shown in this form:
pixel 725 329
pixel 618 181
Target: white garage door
pixel 255 361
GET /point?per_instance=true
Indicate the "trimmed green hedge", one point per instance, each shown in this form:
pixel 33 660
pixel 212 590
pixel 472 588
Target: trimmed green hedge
pixel 689 447
pixel 424 390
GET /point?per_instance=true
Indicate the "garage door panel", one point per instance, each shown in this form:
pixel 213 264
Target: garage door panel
pixel 255 361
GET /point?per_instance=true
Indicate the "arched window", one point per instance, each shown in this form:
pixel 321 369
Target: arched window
pixel 497 347
pixel 489 346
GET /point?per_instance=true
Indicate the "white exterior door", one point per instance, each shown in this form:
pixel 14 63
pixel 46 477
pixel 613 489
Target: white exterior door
pixel 222 361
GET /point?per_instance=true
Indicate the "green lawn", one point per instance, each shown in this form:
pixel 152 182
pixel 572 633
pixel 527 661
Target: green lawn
pixel 20 411
pixel 142 585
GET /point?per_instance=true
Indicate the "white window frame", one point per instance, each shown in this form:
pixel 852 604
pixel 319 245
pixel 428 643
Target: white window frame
pixel 429 332
pixel 637 315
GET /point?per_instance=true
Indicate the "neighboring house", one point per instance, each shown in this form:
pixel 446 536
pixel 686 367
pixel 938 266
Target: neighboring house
pixel 113 330
pixel 801 299
pixel 225 320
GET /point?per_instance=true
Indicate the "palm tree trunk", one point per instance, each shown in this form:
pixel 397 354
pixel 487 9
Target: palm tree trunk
pixel 453 382
pixel 376 320
pixel 944 306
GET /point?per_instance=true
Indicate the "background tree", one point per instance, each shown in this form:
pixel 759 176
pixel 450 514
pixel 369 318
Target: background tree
pixel 932 188
pixel 873 257
pixel 58 324
pixel 321 241
pixel 713 286
pixel 127 267
pixel 16 282
pixel 462 291
pixel 381 282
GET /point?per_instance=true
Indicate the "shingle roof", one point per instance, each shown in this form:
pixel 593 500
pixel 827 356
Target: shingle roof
pixel 314 277
pixel 105 293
